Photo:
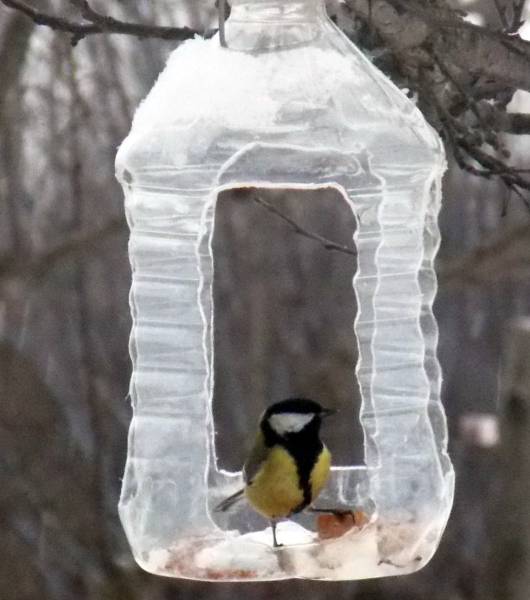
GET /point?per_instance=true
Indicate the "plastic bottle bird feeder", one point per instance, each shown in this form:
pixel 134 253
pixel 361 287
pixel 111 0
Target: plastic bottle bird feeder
pixel 290 103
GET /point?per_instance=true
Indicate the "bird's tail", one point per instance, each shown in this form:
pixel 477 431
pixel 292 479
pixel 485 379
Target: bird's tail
pixel 229 502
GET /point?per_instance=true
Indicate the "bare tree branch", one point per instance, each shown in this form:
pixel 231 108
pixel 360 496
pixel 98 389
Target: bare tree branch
pixel 411 31
pixel 328 244
pixel 515 123
pixel 501 13
pixel 468 144
pixel 510 23
pixel 98 23
pixel 517 17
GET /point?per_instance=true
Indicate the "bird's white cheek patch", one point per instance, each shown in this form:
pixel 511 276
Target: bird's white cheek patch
pixel 289 422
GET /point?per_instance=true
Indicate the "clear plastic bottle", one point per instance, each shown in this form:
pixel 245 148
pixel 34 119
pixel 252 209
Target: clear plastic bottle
pixel 290 103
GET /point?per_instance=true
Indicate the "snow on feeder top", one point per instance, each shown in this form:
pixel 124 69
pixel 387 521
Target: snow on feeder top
pixel 289 103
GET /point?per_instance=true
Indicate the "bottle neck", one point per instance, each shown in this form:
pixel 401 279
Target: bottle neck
pixel 277 10
pixel 256 25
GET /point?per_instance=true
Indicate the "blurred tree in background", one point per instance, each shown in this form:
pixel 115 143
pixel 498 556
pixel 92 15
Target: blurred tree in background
pixel 67 96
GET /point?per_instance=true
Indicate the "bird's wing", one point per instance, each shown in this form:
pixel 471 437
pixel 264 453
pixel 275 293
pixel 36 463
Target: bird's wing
pixel 255 459
pixel 229 502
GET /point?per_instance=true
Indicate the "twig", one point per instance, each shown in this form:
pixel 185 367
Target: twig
pixel 466 95
pixel 455 134
pixel 501 12
pixel 448 20
pixel 495 166
pixel 516 123
pixel 512 25
pixel 517 17
pixel 328 244
pixel 100 24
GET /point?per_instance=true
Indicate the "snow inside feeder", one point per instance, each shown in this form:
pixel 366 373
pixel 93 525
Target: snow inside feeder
pixel 290 104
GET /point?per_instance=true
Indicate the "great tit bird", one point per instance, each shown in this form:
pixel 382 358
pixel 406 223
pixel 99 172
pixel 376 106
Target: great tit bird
pixel 289 465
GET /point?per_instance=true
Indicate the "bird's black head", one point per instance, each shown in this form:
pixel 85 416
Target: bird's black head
pixel 292 418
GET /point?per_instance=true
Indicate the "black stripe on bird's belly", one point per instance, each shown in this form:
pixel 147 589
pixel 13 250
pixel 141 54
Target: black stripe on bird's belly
pixel 305 448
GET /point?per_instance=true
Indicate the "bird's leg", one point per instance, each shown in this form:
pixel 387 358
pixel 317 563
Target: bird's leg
pixel 274 539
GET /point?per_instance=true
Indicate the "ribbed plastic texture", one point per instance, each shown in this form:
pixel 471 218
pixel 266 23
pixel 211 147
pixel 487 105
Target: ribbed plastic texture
pixel 291 103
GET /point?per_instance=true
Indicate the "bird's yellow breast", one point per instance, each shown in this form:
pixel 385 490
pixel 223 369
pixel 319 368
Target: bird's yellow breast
pixel 275 490
pixel 320 473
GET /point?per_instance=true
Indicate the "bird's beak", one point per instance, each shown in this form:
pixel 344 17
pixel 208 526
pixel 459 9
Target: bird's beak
pixel 327 412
